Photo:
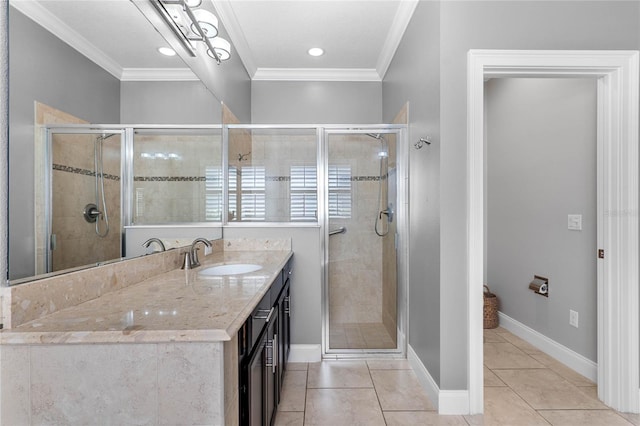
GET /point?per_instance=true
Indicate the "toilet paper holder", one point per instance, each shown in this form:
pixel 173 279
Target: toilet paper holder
pixel 540 285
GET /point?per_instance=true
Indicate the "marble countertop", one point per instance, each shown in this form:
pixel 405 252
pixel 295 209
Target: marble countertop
pixel 175 306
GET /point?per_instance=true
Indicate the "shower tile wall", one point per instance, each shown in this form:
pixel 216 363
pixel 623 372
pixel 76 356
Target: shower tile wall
pixel 389 259
pixel 170 176
pixel 73 187
pixel 356 257
pixel 44 115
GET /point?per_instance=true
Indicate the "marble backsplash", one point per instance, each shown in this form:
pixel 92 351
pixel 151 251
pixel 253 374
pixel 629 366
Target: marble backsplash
pixel 26 302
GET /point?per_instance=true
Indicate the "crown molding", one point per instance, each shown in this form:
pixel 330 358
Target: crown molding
pixel 234 30
pixel 158 74
pixel 316 74
pixel 396 32
pixel 51 23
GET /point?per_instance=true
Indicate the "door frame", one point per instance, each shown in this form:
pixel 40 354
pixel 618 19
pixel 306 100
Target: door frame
pixel 617 74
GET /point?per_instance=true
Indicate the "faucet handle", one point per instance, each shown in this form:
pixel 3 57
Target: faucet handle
pixel 187 261
pixel 195 262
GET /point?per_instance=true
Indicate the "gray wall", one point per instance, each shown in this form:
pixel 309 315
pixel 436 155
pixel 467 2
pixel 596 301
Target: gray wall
pixel 168 102
pixel 4 138
pixel 322 102
pixel 541 166
pixel 430 70
pixel 498 25
pixel 43 68
pixel 306 285
pixel 414 77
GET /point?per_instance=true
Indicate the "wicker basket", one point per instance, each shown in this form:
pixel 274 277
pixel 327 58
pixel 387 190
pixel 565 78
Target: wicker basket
pixel 490 308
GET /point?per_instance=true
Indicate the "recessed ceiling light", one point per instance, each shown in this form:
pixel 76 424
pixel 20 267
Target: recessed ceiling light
pixel 315 51
pixel 167 51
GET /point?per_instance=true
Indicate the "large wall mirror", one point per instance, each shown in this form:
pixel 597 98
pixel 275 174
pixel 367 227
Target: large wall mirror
pixel 99 117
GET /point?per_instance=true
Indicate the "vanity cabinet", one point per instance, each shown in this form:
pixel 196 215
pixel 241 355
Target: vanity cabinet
pixel 263 348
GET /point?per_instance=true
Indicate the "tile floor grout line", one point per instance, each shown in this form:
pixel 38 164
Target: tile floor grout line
pixel 306 389
pixel 384 419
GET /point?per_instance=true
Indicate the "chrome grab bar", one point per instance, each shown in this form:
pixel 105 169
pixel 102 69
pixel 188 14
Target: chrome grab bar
pixel 340 230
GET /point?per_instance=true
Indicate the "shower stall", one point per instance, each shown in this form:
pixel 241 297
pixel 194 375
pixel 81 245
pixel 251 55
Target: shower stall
pixel 97 180
pixel 105 184
pixel 365 221
pixel 84 182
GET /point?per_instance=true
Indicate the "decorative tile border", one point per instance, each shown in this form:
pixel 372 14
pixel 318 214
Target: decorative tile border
pixel 169 179
pixel 267 178
pixel 84 172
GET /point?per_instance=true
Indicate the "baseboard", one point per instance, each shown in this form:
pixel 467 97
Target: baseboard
pixel 453 402
pixel 447 402
pixel 568 357
pixel 428 384
pixel 305 353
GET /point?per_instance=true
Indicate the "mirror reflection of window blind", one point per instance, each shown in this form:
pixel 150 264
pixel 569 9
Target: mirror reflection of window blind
pixel 339 191
pixel 304 193
pixel 252 182
pixel 213 193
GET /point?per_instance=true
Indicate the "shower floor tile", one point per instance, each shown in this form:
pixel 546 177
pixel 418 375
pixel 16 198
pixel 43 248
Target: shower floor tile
pixel 360 336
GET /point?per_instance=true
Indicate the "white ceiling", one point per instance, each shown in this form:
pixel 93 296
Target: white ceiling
pixel 271 37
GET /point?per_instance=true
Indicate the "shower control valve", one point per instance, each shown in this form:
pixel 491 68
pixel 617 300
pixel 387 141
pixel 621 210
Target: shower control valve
pixel 91 213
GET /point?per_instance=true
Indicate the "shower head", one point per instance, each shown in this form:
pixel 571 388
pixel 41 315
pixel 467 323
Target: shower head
pixel 375 135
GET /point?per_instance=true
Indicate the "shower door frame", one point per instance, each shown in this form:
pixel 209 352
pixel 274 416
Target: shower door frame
pixel 402 247
pixel 77 129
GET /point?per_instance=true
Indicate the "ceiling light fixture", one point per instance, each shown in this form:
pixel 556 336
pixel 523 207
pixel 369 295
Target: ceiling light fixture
pixel 315 51
pixel 191 26
pixel 167 51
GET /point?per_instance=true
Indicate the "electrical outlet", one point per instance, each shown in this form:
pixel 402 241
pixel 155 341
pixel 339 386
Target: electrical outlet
pixel 573 318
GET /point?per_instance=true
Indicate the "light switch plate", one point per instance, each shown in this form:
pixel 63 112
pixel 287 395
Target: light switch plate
pixel 574 222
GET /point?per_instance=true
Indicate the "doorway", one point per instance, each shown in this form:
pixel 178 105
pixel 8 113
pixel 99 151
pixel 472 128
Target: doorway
pixel 617 211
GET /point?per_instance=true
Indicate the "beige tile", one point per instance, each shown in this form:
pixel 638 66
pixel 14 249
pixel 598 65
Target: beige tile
pixel 14 379
pixel 502 407
pixel 293 391
pixel 544 389
pixel 297 366
pixel 339 374
pixel 399 390
pixel 633 418
pixel 583 418
pixel 423 418
pixel 490 379
pixel 284 418
pixel 520 343
pixel 388 364
pixel 506 355
pixel 564 371
pixel 491 336
pixel 189 384
pixel 71 384
pixel 591 391
pixel 351 407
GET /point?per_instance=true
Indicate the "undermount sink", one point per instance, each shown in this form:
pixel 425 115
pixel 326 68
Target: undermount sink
pixel 231 269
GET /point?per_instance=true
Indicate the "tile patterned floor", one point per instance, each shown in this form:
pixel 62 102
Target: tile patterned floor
pixel 523 386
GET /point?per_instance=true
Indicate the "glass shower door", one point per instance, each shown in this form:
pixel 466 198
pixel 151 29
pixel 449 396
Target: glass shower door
pixel 362 265
pixel 84 214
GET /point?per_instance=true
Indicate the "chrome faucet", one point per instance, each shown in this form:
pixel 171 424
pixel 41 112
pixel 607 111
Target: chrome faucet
pixel 154 240
pixel 193 253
